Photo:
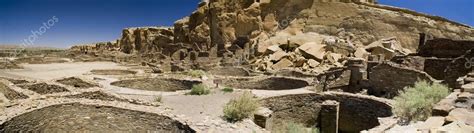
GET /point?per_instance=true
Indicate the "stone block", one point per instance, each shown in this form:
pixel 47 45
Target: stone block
pixel 329 116
pixel 263 117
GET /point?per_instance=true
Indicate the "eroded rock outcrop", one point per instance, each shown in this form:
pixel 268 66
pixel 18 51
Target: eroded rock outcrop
pixel 248 31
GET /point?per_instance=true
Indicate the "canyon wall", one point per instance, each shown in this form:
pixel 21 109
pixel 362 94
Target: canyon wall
pixel 260 28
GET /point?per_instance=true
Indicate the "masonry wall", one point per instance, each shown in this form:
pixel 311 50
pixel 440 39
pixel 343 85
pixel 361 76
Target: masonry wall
pixel 387 79
pixel 444 48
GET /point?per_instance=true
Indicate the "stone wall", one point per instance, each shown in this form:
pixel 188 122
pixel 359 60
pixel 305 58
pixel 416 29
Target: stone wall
pixel 444 48
pixel 387 79
pixel 459 67
pixel 357 112
pixel 435 67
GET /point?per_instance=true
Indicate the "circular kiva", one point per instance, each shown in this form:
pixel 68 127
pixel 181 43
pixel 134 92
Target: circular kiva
pixel 356 113
pixel 229 71
pixel 112 72
pixel 89 118
pixel 272 83
pixel 157 84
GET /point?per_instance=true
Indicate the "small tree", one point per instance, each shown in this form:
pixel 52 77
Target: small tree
pixel 415 103
pixel 240 108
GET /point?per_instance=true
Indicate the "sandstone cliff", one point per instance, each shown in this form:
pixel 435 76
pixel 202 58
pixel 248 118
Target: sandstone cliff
pixel 310 32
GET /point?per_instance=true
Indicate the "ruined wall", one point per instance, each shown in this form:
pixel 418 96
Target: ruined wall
pixel 444 48
pixel 459 67
pixel 387 79
pixel 146 39
pixel 433 66
pixel 357 112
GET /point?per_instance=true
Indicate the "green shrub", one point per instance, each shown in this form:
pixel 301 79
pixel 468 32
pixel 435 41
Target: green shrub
pixel 200 89
pixel 196 73
pixel 240 108
pixel 292 127
pixel 228 90
pixel 415 103
pixel 159 98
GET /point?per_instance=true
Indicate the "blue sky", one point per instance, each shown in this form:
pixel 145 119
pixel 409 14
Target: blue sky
pixel 88 21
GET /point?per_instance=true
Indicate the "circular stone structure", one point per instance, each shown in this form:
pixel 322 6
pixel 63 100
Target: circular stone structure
pixel 356 112
pixel 89 118
pixel 157 84
pixel 272 83
pixel 229 71
pixel 112 72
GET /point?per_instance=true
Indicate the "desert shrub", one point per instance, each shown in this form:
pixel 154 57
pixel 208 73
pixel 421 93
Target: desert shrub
pixel 159 98
pixel 200 89
pixel 415 103
pixel 240 108
pixel 228 90
pixel 196 73
pixel 292 127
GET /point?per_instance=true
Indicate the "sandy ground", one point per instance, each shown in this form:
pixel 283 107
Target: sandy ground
pixel 57 70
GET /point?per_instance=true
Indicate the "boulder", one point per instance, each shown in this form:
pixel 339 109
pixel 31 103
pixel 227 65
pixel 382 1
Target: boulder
pixel 304 38
pixel 455 127
pixel 468 87
pixel 299 61
pixel 313 50
pixel 278 56
pixel 262 117
pixel 432 123
pixel 361 53
pixel 273 49
pixel 461 114
pixel 283 63
pixel 333 57
pixel 443 107
pixel 389 47
pixel 313 63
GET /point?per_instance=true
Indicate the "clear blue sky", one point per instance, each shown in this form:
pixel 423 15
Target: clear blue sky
pixel 87 21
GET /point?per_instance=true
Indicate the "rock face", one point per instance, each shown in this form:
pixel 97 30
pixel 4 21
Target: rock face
pixel 143 40
pixel 241 30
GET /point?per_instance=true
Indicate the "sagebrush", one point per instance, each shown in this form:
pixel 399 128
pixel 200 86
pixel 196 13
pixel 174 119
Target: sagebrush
pixel 200 89
pixel 416 103
pixel 240 108
pixel 196 73
pixel 228 90
pixel 159 98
